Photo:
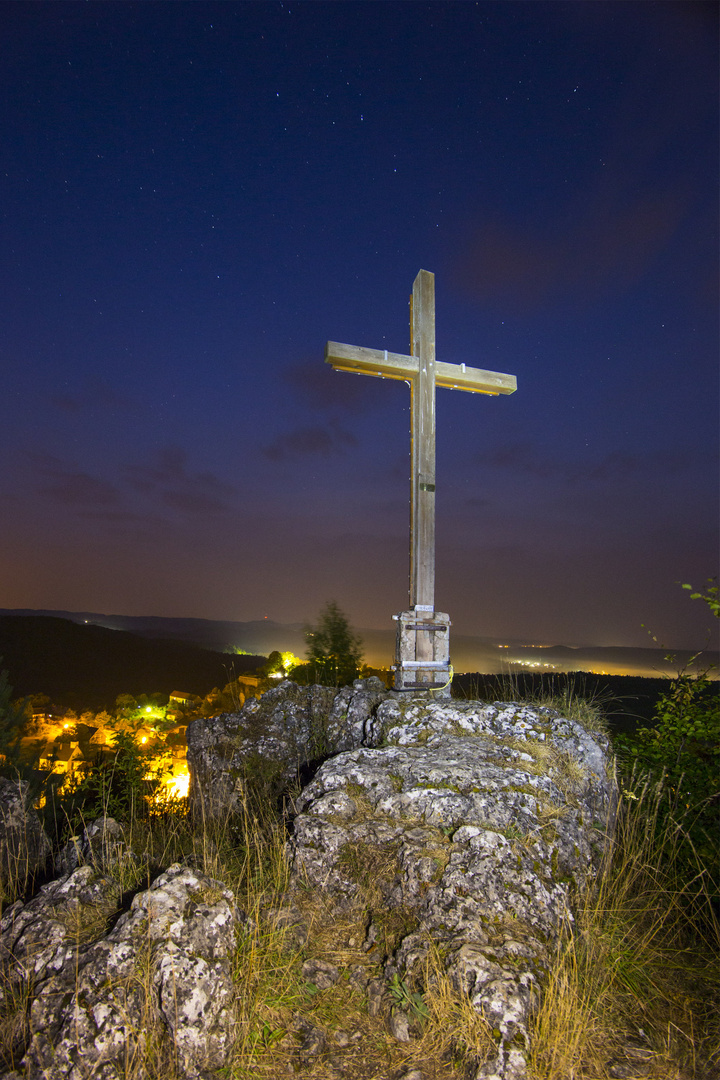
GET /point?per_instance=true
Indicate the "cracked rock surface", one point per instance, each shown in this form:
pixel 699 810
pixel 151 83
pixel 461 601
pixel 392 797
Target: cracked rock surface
pixel 475 821
pixel 160 981
pixel 273 738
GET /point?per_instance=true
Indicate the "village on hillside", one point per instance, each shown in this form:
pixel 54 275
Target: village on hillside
pixel 60 741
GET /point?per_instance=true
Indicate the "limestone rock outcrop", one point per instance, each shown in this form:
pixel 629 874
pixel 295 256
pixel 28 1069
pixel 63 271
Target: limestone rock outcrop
pixel 272 739
pixel 475 823
pixel 105 1004
pixel 24 846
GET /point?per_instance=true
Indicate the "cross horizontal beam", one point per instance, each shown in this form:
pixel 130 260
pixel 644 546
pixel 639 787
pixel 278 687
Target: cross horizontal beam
pixel 388 365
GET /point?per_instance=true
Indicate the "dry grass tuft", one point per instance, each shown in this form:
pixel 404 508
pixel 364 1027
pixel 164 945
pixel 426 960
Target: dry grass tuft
pixel 456 1031
pixel 632 985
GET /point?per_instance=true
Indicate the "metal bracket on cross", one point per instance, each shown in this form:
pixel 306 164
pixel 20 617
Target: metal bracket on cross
pixel 422 651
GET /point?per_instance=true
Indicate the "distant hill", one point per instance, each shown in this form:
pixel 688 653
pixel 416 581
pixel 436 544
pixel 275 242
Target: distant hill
pixel 468 653
pixel 81 665
pixel 259 637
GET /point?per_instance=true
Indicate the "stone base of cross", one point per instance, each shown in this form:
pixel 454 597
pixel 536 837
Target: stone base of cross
pixel 422 654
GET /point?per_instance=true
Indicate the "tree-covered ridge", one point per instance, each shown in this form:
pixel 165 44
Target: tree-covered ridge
pixel 86 667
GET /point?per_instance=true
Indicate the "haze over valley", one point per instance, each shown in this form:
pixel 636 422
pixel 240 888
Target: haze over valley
pixel 468 653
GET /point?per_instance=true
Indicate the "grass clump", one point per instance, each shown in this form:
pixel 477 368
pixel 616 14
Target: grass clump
pixel 633 986
pixel 290 1026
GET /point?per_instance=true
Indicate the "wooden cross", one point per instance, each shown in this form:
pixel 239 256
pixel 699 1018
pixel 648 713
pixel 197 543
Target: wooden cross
pixel 423 373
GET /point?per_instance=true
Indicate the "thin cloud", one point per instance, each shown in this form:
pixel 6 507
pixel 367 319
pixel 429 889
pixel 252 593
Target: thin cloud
pixel 476 502
pixel 522 457
pixel 619 221
pixel 95 394
pixel 525 458
pixel 321 388
pixel 611 249
pixel 74 487
pixel 308 441
pixel 168 480
pixel 616 465
pixel 168 467
pixel 194 503
pixel 119 517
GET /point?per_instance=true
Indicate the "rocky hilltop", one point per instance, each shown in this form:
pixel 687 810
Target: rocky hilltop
pixel 474 823
pixel 454 834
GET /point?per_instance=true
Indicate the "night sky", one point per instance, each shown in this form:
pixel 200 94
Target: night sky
pixel 195 197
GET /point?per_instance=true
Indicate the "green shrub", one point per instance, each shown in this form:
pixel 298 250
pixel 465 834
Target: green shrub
pixel 682 748
pixel 119 786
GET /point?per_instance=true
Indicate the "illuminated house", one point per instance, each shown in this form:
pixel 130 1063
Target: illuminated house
pixel 178 701
pixel 61 757
pixel 178 697
pixel 246 687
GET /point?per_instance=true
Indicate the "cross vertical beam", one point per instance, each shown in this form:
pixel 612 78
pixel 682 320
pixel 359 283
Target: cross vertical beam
pixel 422 499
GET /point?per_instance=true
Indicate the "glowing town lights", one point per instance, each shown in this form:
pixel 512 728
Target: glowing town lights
pixel 179 785
pixel 534 664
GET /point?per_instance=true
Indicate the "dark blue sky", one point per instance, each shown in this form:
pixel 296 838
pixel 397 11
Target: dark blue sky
pixel 195 197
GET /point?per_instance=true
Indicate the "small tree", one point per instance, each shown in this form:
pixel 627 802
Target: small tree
pixel 274 665
pixel 278 664
pixel 334 652
pixel 118 785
